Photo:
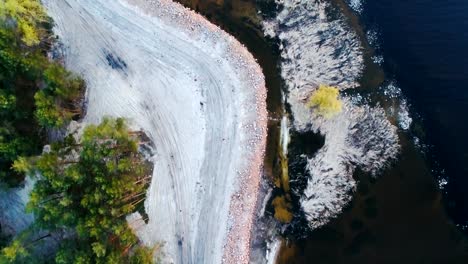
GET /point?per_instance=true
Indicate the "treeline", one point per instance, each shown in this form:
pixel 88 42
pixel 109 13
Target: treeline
pixel 86 186
pixel 35 92
pixel 86 189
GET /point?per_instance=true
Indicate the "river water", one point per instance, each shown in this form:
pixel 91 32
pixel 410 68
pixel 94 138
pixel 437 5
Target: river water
pixel 416 211
pixel 425 45
pixel 401 217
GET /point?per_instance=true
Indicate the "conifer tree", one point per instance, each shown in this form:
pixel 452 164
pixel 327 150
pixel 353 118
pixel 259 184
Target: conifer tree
pixel 90 186
pixel 32 88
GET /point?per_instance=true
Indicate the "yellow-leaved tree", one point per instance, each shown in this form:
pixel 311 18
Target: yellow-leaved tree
pixel 27 14
pixel 325 101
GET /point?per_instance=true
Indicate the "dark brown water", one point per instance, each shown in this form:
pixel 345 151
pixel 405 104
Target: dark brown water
pixel 397 218
pixel 425 44
pixel 239 18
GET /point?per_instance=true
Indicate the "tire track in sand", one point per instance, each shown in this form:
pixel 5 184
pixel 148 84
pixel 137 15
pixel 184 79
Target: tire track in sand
pixel 198 94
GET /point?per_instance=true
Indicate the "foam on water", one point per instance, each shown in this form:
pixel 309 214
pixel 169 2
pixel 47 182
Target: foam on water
pixel 404 118
pixel 372 36
pixel 356 5
pixel 378 59
pixel 317 49
pixel 359 136
pixel 400 110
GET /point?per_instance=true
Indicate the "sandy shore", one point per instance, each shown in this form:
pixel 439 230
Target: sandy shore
pixel 198 94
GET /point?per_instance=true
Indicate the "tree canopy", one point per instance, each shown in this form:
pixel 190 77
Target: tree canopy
pixel 89 187
pixel 35 92
pixel 325 101
pixel 59 101
pixel 28 14
pixel 19 74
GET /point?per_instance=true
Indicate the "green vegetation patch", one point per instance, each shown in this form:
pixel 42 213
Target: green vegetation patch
pixel 325 101
pixel 87 188
pixel 27 15
pixel 35 93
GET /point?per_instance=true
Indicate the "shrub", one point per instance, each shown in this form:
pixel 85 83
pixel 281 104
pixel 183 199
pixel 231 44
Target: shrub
pixel 325 101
